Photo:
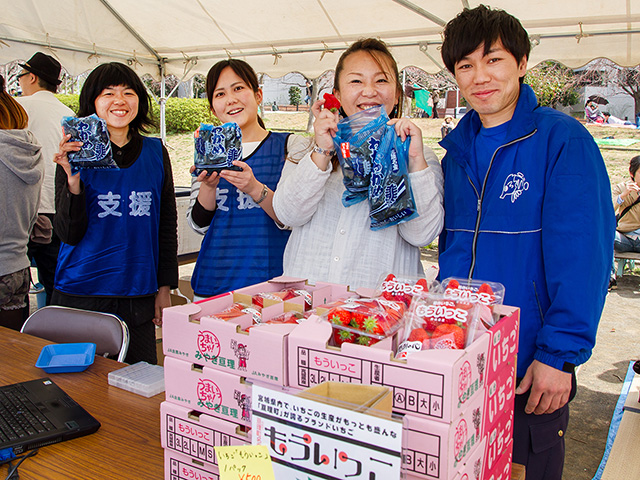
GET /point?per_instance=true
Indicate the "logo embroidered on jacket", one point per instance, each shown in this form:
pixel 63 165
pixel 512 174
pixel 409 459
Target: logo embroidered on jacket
pixel 514 186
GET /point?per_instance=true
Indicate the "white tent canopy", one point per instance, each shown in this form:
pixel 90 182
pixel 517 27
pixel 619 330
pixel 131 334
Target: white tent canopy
pixel 184 37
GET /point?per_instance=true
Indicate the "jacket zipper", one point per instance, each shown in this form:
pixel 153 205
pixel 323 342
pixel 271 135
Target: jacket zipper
pixel 481 198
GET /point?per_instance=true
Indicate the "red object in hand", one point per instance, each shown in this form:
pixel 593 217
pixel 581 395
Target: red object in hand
pixel 331 102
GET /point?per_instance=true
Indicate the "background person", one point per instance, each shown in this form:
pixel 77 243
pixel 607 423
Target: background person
pixel 526 191
pixel 611 120
pixel 334 243
pixel 21 175
pixel 39 80
pixel 118 227
pixel 592 113
pixel 447 126
pixel 243 243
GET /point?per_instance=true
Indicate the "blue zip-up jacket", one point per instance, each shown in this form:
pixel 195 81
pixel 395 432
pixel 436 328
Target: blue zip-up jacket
pixel 540 222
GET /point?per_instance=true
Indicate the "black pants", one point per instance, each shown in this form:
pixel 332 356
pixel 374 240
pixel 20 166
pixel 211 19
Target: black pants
pixel 538 440
pixel 46 259
pixel 136 312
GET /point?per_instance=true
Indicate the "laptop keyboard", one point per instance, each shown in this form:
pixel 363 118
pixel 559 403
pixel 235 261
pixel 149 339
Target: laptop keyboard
pixel 19 417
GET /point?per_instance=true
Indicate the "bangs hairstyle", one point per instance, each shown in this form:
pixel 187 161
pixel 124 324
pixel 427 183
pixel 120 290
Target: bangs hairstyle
pixel 378 51
pixel 116 74
pixel 483 26
pixel 241 68
pixel 12 115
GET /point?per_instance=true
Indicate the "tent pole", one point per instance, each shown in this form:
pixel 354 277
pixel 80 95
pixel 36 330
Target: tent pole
pixel 163 101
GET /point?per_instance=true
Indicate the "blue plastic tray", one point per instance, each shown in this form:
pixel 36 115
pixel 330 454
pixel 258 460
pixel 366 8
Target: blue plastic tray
pixel 66 357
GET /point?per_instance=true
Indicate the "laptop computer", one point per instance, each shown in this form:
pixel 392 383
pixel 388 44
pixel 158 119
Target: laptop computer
pixel 37 413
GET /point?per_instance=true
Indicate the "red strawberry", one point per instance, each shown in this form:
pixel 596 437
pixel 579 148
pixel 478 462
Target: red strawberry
pixel 340 336
pixel 448 336
pixel 375 324
pixel 422 283
pixel 366 340
pixel 331 102
pixel 338 316
pixel 420 335
pixel 453 284
pixel 485 288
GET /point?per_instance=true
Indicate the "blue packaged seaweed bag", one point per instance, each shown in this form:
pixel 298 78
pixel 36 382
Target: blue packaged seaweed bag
pixel 216 147
pixel 96 146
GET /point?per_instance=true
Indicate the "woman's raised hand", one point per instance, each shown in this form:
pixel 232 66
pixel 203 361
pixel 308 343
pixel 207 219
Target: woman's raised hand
pixel 62 159
pixel 325 127
pixel 405 128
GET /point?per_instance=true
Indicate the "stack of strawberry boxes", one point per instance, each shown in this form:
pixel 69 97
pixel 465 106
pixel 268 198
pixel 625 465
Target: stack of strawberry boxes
pixel 211 359
pixel 457 403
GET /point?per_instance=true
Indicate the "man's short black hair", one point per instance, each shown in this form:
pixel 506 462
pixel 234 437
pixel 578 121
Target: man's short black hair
pixel 634 164
pixel 482 25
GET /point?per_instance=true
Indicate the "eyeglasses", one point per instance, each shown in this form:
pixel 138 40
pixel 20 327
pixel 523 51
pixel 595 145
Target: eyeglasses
pixel 22 75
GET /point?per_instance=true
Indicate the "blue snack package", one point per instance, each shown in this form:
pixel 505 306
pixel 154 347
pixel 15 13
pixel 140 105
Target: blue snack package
pixel 390 196
pixel 216 147
pixel 96 146
pixel 356 143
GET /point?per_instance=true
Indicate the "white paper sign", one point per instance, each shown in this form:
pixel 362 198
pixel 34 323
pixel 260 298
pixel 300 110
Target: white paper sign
pixel 308 440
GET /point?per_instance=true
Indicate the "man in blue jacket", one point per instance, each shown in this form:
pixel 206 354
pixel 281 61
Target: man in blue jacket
pixel 527 204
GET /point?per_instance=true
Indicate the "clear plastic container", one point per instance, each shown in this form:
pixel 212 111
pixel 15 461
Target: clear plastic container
pixel 141 378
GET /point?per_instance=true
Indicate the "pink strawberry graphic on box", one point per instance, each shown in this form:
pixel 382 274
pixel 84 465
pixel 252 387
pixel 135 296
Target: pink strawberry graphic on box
pixel 460 439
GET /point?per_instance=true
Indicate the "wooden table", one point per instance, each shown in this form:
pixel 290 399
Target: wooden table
pixel 127 445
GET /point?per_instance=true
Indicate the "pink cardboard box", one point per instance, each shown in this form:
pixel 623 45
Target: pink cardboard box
pixel 438 450
pixel 471 469
pixel 504 339
pixel 500 394
pixel 208 390
pixel 433 383
pixel 318 294
pixel 191 334
pixel 500 469
pixel 196 434
pixel 499 439
pixel 181 467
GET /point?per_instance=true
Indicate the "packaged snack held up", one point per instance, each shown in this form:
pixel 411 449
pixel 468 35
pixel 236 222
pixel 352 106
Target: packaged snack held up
pixel 364 320
pixel 96 145
pixel 237 310
pixel 402 289
pixel 216 147
pixel 356 143
pixel 435 322
pixel 390 196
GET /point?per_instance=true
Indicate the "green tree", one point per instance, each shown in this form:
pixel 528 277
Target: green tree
pixel 554 84
pixel 294 96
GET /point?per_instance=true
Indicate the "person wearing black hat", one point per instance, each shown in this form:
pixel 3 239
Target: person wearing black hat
pixel 39 80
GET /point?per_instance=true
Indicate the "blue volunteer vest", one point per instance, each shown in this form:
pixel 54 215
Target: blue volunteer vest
pixel 243 245
pixel 118 255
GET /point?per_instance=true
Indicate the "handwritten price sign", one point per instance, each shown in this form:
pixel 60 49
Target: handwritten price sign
pixel 245 462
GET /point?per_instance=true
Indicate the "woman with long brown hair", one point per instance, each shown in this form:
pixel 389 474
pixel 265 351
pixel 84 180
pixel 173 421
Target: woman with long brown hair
pixel 21 175
pixel 243 241
pixel 333 242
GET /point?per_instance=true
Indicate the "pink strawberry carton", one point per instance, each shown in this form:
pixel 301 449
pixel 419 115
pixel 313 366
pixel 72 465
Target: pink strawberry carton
pixel 500 394
pixel 504 335
pixel 436 384
pixel 438 450
pixel 208 390
pixel 182 467
pixel 308 296
pixel 473 465
pixel 192 333
pixel 196 434
pixel 499 440
pixel 500 469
